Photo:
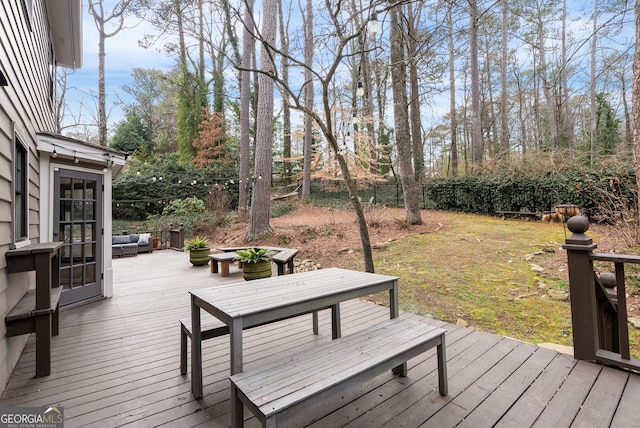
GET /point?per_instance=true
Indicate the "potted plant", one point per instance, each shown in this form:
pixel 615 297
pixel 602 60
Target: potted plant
pixel 256 263
pixel 199 250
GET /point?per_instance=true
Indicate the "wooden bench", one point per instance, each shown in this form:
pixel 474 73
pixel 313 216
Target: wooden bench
pixel 212 327
pixel 284 260
pixel 225 259
pixel 519 214
pixel 38 310
pixel 304 381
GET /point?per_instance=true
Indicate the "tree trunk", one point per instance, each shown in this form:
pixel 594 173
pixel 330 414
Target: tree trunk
pixel 414 103
pixel 592 85
pixel 635 101
pixel 477 147
pixel 546 85
pixel 286 111
pixel 452 94
pixel 260 199
pixel 248 43
pixel 568 117
pixel 504 95
pixel 401 119
pixel 489 107
pixel 308 102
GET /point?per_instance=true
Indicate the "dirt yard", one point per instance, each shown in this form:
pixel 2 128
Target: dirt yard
pixel 320 233
pixel 326 235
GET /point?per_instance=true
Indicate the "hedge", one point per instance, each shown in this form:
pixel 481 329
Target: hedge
pixel 487 194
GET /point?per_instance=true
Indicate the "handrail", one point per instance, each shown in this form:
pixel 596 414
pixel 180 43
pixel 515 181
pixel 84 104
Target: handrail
pixel 599 314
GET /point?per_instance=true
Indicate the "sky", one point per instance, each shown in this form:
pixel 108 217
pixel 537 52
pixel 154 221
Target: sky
pixel 122 54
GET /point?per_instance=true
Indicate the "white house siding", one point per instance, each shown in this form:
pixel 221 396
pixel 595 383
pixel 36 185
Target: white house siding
pixel 25 108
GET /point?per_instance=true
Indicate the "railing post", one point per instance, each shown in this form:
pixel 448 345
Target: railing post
pixel 584 316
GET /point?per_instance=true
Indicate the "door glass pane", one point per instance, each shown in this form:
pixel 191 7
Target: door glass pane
pixel 78 210
pixel 78 189
pixel 89 273
pixel 89 210
pixel 89 252
pixel 65 188
pixel 78 276
pixel 65 278
pixel 65 233
pixel 90 189
pixel 90 232
pixel 65 210
pixel 65 255
pixel 77 233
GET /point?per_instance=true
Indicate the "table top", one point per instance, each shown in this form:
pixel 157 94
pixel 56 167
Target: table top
pixel 269 294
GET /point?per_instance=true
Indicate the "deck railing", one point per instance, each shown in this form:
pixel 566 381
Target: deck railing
pixel 598 301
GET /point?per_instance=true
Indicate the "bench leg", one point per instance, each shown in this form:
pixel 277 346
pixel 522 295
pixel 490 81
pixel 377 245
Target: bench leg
pixel 280 268
pixel 315 322
pixel 183 350
pixel 55 321
pixel 43 345
pixel 214 266
pixel 237 411
pixel 442 368
pixel 400 370
pixel 224 270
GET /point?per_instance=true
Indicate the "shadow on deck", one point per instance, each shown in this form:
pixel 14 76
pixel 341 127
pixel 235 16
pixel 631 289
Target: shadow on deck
pixel 116 362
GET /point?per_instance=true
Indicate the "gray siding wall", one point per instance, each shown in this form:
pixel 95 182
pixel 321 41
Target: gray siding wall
pixel 25 108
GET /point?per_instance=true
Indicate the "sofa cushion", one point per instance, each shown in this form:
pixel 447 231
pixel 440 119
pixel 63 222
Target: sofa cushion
pixel 120 239
pixel 134 237
pixel 143 239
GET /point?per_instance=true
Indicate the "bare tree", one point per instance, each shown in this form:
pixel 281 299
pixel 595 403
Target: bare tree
pixel 592 85
pixel 248 46
pixel 286 111
pixel 108 25
pixel 413 52
pixel 477 146
pixel 504 96
pixel 636 103
pixel 400 116
pixel 308 102
pixel 260 198
pixel 453 122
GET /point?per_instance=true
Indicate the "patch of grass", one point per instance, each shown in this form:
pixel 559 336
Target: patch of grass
pixel 477 269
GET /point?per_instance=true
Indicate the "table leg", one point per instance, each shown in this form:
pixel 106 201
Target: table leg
pixel 196 350
pixel 235 332
pixel 336 331
pixel 394 308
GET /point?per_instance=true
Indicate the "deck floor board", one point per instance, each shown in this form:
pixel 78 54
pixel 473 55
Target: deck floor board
pixel 116 363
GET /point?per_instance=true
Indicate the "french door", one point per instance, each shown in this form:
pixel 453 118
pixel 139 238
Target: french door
pixel 77 221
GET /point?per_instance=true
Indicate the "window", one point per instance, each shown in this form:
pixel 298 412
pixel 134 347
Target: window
pixel 52 75
pixel 21 196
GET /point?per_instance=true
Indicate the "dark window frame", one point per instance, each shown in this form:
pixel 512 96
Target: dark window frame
pixel 21 191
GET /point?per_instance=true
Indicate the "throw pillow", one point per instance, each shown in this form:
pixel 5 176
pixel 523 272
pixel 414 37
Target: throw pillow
pixel 144 238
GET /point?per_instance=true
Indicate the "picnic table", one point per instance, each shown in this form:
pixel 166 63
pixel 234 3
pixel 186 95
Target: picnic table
pixel 247 304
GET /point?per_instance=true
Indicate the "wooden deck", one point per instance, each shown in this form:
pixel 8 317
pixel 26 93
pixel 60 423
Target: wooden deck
pixel 116 363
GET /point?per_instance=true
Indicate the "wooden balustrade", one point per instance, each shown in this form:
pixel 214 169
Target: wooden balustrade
pixel 598 302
